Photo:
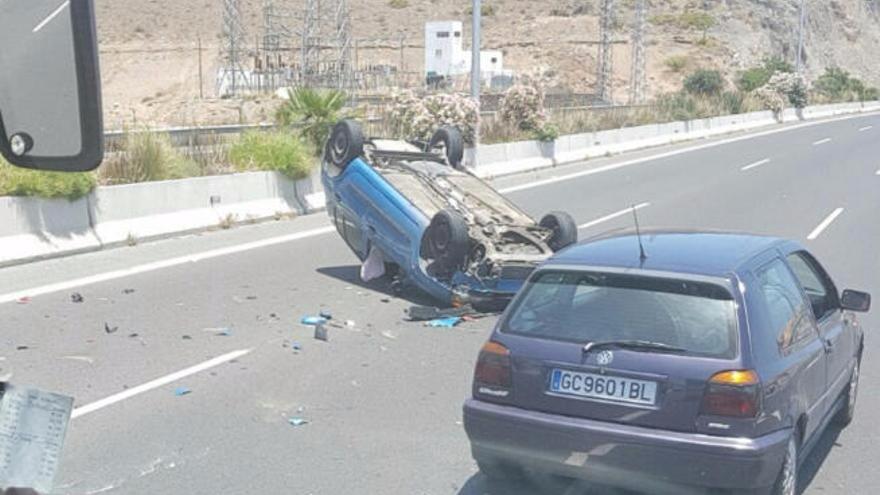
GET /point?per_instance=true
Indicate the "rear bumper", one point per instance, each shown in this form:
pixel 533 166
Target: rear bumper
pixel 655 461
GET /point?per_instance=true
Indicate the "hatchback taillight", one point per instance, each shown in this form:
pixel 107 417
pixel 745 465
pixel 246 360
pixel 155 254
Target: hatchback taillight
pixel 493 369
pixel 732 393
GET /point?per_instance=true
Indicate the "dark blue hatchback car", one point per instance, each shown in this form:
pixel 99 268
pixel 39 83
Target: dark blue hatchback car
pixel 712 363
pixel 413 208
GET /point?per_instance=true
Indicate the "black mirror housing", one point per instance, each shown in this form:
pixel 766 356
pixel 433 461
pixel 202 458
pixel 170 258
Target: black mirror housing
pixel 52 117
pixel 853 300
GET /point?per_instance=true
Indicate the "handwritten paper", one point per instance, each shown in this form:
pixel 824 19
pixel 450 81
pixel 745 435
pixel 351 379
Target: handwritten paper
pixel 32 428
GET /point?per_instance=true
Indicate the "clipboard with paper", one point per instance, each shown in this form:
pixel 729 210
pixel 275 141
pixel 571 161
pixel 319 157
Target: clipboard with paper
pixel 33 424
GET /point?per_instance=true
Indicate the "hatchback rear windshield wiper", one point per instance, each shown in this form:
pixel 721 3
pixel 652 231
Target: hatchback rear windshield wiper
pixel 635 345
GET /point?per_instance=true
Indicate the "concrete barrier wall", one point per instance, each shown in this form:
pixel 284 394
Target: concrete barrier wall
pixel 33 228
pixel 145 211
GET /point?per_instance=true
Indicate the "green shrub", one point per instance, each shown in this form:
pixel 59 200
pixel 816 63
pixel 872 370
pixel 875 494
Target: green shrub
pixel 752 79
pixel 15 181
pixel 676 106
pixel 755 77
pixel 547 132
pixel 314 112
pixel 522 106
pixel 704 82
pixel 733 102
pixel 676 63
pixel 279 150
pixel 870 93
pixel 398 4
pixel 147 156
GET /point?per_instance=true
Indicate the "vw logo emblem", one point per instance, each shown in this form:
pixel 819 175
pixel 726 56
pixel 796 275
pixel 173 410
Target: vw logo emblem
pixel 604 358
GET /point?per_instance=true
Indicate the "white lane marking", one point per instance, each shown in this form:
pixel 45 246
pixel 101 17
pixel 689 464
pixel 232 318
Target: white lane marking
pixel 613 216
pixel 822 141
pixel 866 128
pixel 668 154
pixel 51 16
pixel 878 172
pixel 824 225
pixel 165 380
pixel 158 265
pixel 756 164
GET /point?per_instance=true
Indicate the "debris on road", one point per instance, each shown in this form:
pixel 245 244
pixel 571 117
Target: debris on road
pixel 76 297
pixel 296 346
pixel 133 335
pixel 448 322
pixel 128 291
pixel 385 300
pixel 85 359
pixel 186 337
pixel 321 333
pixel 23 300
pixel 109 329
pixel 388 335
pixel 326 314
pixel 219 331
pixel 425 313
pixel 22 348
pixel 180 391
pixel 297 421
pixel 313 320
pixel 349 323
pixel 251 298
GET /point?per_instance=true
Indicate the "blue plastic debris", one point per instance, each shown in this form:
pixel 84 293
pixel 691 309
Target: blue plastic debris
pixel 297 421
pixel 296 346
pixel 313 320
pixel 179 391
pixel 447 322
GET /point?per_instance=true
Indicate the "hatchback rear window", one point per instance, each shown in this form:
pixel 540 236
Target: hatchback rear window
pixel 699 317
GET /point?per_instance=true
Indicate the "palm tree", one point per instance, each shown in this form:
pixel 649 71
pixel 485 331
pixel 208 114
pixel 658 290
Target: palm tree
pixel 314 112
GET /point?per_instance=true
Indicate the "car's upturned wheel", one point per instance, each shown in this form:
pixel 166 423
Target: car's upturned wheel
pixel 450 140
pixel 447 239
pixel 345 144
pixel 499 471
pixel 847 412
pixel 786 484
pixel 564 228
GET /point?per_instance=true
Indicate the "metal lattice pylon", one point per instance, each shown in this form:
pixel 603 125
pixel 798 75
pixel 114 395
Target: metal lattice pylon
pixel 604 70
pixel 233 45
pixel 637 76
pixel 326 57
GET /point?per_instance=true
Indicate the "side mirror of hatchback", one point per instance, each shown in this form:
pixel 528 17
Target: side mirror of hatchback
pixel 854 300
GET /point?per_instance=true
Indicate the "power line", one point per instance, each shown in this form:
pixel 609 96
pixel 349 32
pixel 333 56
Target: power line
pixel 638 78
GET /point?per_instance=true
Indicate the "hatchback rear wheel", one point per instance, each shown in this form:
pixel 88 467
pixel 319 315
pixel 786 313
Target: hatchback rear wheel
pixel 788 476
pixel 848 410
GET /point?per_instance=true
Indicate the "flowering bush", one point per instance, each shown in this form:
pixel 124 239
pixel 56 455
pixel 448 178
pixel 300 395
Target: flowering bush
pixel 783 88
pixel 523 106
pixel 414 117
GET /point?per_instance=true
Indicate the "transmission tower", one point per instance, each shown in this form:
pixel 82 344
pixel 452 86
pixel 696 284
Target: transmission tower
pixel 233 44
pixel 604 71
pixel 326 44
pixel 802 23
pixel 637 77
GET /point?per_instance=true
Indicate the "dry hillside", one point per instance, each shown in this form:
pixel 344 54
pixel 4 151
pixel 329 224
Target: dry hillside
pixel 150 60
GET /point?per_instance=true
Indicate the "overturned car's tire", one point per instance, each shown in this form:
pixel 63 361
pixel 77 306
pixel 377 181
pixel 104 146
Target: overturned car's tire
pixel 345 144
pixel 451 141
pixel 447 240
pixel 564 228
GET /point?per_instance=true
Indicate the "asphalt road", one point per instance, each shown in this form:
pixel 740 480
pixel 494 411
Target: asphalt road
pixel 382 398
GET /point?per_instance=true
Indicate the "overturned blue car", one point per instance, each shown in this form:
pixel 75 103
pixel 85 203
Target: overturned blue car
pixel 410 209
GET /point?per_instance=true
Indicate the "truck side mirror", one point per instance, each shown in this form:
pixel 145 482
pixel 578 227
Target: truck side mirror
pixel 50 86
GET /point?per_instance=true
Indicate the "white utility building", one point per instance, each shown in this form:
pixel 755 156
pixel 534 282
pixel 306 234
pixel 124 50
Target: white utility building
pixel 446 56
